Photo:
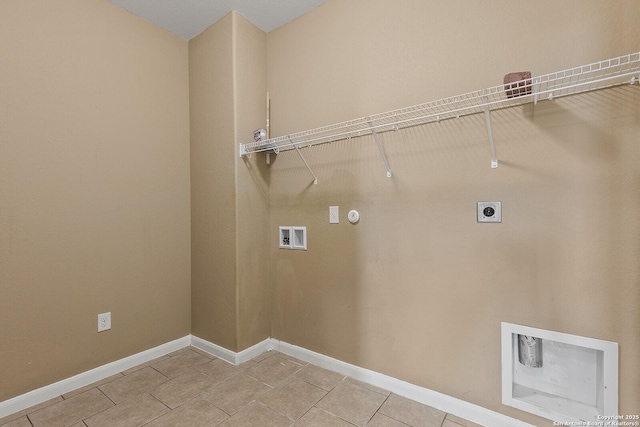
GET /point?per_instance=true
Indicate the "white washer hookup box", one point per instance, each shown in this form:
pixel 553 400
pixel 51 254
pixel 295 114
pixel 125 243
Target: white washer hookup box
pixel 576 380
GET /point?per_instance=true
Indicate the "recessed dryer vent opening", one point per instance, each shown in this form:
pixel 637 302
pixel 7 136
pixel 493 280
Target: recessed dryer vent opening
pixel 561 377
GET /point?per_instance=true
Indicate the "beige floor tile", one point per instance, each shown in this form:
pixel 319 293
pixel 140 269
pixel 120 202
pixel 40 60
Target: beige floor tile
pixel 352 403
pixel 144 380
pixel 72 410
pixel 320 377
pixel 132 413
pixel 293 359
pixel 259 358
pixel 183 362
pixel 273 370
pixel 219 370
pixel 195 413
pixel 453 421
pixel 293 398
pixel 202 352
pixel 93 385
pixel 236 392
pixel 18 422
pixel 411 412
pixel 34 408
pixel 319 418
pixel 144 365
pixel 182 389
pixel 257 415
pixel 270 390
pixel 373 388
pixel 380 420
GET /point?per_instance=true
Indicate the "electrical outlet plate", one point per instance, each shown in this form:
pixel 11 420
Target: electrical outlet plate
pixel 489 211
pixel 104 321
pixel 334 217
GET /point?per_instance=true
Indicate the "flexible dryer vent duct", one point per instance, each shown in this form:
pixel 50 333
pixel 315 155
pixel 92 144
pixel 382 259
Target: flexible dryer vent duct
pixel 530 351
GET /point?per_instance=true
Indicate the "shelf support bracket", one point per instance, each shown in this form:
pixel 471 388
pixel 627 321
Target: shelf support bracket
pixel 380 149
pixel 534 90
pixel 315 178
pixel 487 118
pixel 244 152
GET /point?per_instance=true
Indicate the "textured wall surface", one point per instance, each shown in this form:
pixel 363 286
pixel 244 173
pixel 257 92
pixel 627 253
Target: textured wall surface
pixel 418 289
pixel 94 188
pixel 229 195
pixel 213 194
pixel 121 189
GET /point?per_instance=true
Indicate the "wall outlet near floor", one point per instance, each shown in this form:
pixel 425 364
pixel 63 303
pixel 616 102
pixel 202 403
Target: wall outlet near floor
pixel 104 322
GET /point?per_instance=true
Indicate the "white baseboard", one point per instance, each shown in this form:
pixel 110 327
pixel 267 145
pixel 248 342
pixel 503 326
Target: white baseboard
pixel 228 355
pixel 445 403
pixel 451 405
pixel 50 391
pixel 214 349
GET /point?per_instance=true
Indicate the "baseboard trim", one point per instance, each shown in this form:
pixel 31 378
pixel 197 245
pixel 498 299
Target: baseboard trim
pixel 445 403
pixel 214 349
pixel 228 355
pixel 449 404
pixel 50 391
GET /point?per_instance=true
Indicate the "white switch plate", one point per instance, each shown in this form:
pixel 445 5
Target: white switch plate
pixel 104 322
pixel 489 211
pixel 334 215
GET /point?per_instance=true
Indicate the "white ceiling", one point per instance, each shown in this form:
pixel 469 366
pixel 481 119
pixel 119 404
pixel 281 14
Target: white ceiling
pixel 188 18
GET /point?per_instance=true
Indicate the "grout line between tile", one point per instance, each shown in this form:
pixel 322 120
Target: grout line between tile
pixel 103 393
pixel 256 398
pixel 378 410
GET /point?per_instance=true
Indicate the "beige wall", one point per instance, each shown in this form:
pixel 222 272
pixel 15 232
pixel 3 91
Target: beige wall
pixel 98 107
pixel 213 196
pixel 252 186
pixel 229 195
pixel 94 188
pixel 418 288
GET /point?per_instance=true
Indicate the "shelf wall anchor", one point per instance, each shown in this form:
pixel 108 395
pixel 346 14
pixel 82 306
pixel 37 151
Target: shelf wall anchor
pixel 487 118
pixel 380 149
pixel 315 178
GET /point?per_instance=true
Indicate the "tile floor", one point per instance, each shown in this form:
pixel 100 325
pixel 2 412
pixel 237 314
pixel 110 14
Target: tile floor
pixel 192 388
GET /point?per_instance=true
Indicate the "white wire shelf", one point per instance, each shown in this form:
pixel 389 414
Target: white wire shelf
pixel 598 75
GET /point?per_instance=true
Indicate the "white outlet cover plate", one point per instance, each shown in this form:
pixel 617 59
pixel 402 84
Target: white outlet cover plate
pixel 489 211
pixel 104 321
pixel 334 215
